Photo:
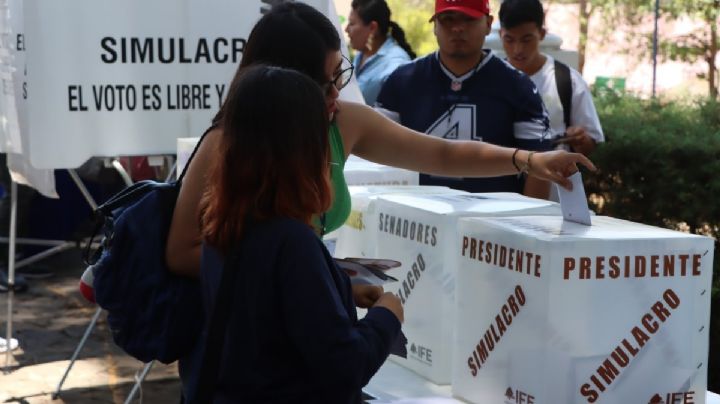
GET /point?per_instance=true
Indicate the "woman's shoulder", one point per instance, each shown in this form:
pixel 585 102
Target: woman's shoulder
pixel 210 140
pixel 396 52
pixel 283 230
pixel 351 114
pixel 352 120
pixel 286 242
pixel 349 110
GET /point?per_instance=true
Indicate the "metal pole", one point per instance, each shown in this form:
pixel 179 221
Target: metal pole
pixel 655 47
pixel 42 255
pixel 11 271
pixel 138 383
pixel 75 354
pixel 123 173
pixel 83 190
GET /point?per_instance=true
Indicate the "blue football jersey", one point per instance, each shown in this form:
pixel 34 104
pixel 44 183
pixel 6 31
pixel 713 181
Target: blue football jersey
pixel 493 103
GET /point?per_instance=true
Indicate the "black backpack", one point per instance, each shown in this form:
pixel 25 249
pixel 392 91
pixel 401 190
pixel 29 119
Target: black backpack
pixel 153 314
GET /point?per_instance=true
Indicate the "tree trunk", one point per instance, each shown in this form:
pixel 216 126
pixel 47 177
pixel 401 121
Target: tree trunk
pixel 712 57
pixel 584 23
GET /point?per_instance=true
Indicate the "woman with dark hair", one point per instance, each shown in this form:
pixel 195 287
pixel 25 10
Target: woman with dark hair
pixel 380 44
pixel 295 35
pixel 292 326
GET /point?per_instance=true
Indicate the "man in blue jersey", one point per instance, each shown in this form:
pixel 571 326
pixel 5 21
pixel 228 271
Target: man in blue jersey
pixel 463 92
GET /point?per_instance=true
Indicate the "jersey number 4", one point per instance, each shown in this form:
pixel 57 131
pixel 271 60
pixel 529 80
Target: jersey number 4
pixel 457 123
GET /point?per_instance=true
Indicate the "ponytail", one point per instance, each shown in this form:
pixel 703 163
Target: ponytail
pixel 378 10
pixel 398 35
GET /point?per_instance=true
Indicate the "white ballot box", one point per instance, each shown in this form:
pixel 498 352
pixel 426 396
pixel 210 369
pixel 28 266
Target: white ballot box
pixel 362 172
pixel 357 237
pixel 554 312
pixel 420 232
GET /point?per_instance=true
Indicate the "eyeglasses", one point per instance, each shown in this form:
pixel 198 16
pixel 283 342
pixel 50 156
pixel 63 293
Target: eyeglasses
pixel 342 78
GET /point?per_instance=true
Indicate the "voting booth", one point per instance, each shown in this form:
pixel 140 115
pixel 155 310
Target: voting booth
pixel 554 312
pixel 420 232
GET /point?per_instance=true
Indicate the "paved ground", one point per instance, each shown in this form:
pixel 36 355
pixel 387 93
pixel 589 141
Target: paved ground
pixel 49 320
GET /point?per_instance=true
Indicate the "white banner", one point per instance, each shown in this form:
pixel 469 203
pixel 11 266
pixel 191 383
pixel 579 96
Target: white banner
pixel 13 101
pixel 108 78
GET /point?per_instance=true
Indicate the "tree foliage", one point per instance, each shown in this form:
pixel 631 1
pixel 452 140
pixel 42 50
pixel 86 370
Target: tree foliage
pixel 700 46
pixel 413 16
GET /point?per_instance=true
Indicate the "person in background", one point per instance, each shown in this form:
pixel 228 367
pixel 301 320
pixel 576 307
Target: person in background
pixel 573 119
pixel 465 93
pixel 293 334
pixel 380 44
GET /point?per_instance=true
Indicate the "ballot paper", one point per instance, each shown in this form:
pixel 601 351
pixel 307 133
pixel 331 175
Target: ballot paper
pixel 573 204
pixel 368 271
pixel 371 271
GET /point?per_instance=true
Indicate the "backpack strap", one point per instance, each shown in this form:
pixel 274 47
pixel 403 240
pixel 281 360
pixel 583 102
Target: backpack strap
pixel 563 82
pixel 139 189
pixel 197 146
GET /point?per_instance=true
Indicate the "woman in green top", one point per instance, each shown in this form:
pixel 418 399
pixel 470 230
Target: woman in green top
pixel 295 35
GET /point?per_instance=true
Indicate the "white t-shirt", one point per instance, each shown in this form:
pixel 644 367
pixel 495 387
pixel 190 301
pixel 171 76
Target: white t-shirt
pixel 583 111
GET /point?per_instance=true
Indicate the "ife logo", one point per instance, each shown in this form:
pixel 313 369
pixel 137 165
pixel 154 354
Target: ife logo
pixel 421 353
pixel 518 397
pixel 680 397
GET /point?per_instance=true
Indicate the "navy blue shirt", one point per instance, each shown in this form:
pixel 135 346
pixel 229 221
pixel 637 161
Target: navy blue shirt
pixel 493 103
pixel 293 336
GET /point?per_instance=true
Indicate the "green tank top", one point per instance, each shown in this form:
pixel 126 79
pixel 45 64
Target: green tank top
pixel 340 209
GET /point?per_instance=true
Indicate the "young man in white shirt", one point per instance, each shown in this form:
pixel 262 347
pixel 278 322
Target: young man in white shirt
pixel 522 29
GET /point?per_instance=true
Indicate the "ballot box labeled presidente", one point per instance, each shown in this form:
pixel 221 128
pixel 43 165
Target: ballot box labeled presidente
pixel 556 312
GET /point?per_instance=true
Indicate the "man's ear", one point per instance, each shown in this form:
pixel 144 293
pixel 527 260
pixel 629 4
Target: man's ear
pixel 489 23
pixel 543 32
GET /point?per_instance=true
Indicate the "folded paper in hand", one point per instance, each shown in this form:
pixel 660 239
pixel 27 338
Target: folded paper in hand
pixel 367 271
pixel 573 204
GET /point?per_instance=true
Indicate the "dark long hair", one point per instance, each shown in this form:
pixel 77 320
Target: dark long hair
pixel 517 12
pixel 292 35
pixel 273 156
pixel 378 11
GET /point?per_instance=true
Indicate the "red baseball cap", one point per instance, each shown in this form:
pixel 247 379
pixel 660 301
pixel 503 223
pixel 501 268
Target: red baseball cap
pixel 473 8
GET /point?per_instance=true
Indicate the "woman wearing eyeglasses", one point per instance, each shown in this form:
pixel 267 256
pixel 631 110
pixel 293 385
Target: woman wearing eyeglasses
pixel 380 44
pixel 297 36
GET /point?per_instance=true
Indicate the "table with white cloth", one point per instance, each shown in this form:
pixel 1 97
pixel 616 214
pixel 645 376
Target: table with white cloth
pixel 397 385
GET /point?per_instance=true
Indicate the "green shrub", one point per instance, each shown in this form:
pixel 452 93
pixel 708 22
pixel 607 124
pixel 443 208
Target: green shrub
pixel 661 166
